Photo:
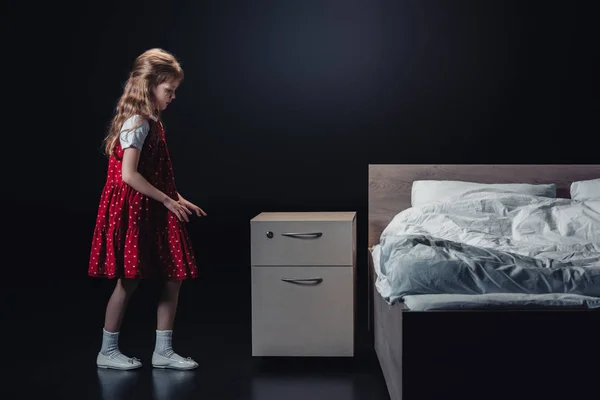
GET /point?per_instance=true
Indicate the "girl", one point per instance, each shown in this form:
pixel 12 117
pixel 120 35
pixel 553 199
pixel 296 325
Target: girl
pixel 140 229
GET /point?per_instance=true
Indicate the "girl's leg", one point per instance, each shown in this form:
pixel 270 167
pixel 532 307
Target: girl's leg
pixel 167 306
pixel 115 309
pixel 110 356
pixel 164 356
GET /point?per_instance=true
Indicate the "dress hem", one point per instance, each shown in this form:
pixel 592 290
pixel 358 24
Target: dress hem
pixel 171 278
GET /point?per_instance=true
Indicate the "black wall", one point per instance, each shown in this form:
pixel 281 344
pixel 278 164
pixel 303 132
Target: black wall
pixel 283 107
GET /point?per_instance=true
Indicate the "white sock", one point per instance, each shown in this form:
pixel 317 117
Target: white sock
pixel 163 343
pixel 110 343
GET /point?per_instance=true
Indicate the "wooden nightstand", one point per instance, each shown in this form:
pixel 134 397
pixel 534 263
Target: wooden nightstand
pixel 303 283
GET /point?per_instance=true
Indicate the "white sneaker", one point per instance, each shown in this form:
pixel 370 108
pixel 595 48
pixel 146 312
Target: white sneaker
pixel 175 361
pixel 117 361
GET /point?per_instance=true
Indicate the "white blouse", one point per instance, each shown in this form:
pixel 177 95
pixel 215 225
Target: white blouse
pixel 134 138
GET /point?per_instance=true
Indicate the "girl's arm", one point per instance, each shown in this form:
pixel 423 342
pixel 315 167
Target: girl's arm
pixel 133 178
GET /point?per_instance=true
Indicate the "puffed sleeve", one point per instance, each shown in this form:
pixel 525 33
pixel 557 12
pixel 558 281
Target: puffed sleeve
pixel 134 137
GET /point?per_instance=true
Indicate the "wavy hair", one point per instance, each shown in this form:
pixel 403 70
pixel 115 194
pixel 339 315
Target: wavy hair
pixel 151 68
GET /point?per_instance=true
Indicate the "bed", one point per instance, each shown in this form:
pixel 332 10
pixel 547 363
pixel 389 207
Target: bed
pixel 480 256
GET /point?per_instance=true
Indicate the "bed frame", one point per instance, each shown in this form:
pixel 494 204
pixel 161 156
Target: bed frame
pixel 389 193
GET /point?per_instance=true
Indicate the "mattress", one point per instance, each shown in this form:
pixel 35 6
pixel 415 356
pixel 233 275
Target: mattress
pixel 509 301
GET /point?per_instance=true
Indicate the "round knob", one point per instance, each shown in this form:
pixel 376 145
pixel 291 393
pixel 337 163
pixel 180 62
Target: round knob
pixel 270 234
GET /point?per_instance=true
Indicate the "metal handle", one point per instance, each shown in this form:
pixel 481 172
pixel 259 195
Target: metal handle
pixel 303 281
pixel 301 235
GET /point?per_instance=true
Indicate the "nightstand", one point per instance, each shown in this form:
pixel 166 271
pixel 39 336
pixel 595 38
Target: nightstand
pixel 303 283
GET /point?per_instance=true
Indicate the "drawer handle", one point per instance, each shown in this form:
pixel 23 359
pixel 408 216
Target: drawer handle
pixel 302 235
pixel 303 281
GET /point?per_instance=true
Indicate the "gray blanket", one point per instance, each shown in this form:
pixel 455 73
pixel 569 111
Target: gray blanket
pixel 490 243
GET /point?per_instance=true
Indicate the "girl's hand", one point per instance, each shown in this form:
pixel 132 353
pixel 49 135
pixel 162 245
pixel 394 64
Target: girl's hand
pixel 179 209
pixel 191 206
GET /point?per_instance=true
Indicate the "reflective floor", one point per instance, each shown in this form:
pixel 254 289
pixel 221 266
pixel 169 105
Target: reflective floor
pixel 54 330
pixel 51 332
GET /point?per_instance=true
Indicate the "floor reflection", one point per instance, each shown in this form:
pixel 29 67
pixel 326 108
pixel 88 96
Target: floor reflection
pixel 172 384
pixel 117 385
pixel 166 384
pixel 302 388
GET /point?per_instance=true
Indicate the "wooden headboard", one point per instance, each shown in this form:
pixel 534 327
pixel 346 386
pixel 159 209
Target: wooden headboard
pixel 390 185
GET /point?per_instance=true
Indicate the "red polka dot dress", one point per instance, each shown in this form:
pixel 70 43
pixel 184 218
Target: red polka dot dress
pixel 136 236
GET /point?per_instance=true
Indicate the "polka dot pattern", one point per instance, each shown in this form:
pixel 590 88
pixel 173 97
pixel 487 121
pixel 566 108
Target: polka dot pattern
pixel 136 236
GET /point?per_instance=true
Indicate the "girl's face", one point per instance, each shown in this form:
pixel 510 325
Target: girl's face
pixel 164 93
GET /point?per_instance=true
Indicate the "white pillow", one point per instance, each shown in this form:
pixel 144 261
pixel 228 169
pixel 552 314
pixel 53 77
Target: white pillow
pixel 428 191
pixel 585 190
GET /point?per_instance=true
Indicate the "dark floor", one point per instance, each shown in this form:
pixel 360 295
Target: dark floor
pixel 54 330
pixel 51 332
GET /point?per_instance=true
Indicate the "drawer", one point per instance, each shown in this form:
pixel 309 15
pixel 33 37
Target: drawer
pixel 302 243
pixel 293 316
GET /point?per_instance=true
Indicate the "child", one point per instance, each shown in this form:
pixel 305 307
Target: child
pixel 140 231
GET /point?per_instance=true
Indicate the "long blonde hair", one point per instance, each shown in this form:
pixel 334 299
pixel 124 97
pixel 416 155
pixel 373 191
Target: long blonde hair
pixel 153 67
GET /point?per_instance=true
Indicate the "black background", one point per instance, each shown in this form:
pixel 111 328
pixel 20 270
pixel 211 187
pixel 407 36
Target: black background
pixel 284 105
